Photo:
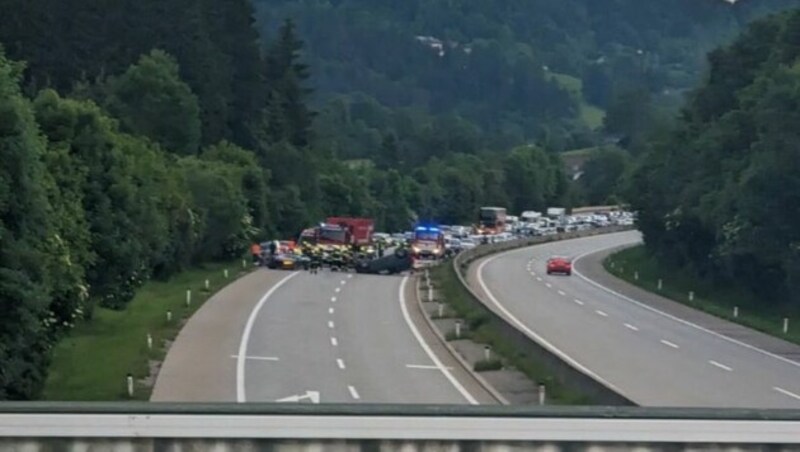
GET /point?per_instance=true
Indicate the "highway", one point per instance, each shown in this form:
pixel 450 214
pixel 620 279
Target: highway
pixel 344 338
pixel 648 356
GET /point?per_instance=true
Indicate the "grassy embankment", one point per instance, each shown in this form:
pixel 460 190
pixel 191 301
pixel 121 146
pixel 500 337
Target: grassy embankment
pixel 92 362
pixel 480 330
pixel 714 299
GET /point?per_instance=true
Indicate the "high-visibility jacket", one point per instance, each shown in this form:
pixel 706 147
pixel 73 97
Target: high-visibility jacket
pixel 255 249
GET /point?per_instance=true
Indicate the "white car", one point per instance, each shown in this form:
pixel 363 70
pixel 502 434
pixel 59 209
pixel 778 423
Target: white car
pixel 468 244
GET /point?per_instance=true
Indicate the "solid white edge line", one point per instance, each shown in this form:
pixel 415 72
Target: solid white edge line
pixel 533 335
pixel 669 344
pixel 670 316
pixel 340 363
pixel 353 392
pixel 721 366
pixel 631 327
pixel 258 358
pixel 251 320
pixel 426 347
pixel 788 393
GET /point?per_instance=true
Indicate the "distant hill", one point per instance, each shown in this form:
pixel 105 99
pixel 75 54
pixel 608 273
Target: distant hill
pixel 499 67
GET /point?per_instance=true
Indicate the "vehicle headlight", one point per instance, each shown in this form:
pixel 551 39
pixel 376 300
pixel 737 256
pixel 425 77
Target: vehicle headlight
pixel 415 249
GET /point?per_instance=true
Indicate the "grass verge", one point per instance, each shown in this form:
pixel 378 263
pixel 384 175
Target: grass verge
pixel 714 299
pixel 91 363
pixel 481 331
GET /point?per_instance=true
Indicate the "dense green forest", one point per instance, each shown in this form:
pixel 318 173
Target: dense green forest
pixel 719 194
pixel 142 137
pixel 464 75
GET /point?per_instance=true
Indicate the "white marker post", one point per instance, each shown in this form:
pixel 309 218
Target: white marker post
pixel 736 311
pixel 441 310
pixel 542 395
pixel 487 352
pixel 458 329
pixel 430 293
pixel 188 297
pixel 613 264
pixel 785 325
pixel 225 273
pixel 660 284
pixel 149 341
pixel 244 263
pixel 130 385
pixel 207 284
pixel 169 316
pixel 691 296
pixel 636 275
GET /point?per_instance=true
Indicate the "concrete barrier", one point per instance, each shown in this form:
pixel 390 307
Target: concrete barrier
pixel 566 374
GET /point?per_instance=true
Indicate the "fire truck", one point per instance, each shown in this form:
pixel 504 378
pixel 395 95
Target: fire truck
pixel 343 231
pixel 427 245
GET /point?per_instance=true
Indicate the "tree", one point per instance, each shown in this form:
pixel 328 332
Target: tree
pixel 26 230
pixel 150 99
pixel 602 175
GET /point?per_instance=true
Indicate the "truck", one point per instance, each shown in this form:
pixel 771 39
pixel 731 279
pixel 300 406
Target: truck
pixel 361 229
pixel 556 212
pixel 530 216
pixel 491 220
pixel 427 242
pixel 345 231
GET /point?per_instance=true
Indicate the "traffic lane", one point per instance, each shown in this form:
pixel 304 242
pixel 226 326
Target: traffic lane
pixel 762 378
pixel 344 337
pixel 289 351
pixel 385 361
pixel 585 337
pixel 696 348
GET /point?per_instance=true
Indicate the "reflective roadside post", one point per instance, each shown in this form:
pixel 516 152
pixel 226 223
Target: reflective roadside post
pixel 542 395
pixel 736 311
pixel 458 329
pixel 225 273
pixel 487 352
pixel 785 325
pixel 691 296
pixel 660 283
pixel 169 315
pixel 129 380
pixel 188 297
pixel 207 284
pixel 149 341
pixel 441 309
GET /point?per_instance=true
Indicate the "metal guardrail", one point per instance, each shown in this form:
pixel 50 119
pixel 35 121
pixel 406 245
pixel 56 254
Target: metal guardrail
pixel 68 423
pixel 565 372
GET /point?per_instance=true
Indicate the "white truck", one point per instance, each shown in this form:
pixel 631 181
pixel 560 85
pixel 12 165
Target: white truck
pixel 530 216
pixel 556 212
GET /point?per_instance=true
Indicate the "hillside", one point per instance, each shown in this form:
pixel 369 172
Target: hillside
pixel 719 195
pixel 495 71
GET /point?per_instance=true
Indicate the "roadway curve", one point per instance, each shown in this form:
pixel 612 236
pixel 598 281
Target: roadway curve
pixel 649 356
pixel 330 338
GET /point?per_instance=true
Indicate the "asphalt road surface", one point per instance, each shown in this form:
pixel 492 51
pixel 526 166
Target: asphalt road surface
pixel 648 356
pixel 342 338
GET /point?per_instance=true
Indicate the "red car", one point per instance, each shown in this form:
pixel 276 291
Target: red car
pixel 559 265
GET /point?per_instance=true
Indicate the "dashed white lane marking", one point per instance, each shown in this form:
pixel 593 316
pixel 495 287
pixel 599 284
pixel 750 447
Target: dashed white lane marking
pixel 422 366
pixel 549 286
pixel 258 358
pixel 340 363
pixel 330 324
pixel 539 279
pixel 669 344
pixel 334 342
pixel 562 293
pixel 579 302
pixel 338 289
pixel 601 313
pixel 787 393
pixel 330 311
pixel 631 327
pixel 407 317
pixel 349 276
pixel 721 366
pixel 344 281
pixel 353 392
pixel 333 299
